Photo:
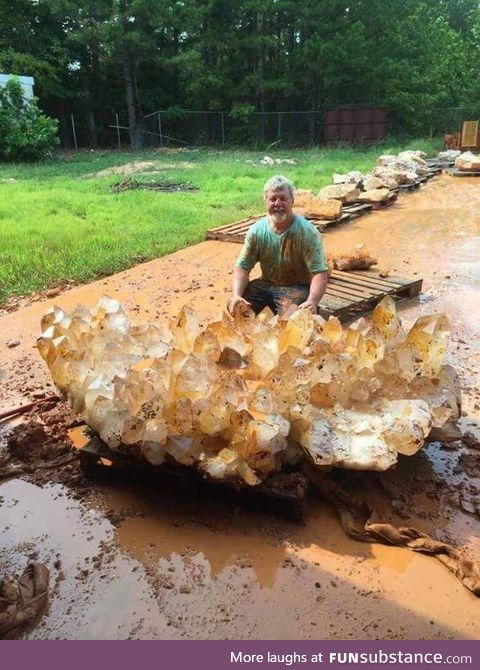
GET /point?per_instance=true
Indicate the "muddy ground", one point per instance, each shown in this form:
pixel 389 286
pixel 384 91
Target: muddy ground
pixel 145 561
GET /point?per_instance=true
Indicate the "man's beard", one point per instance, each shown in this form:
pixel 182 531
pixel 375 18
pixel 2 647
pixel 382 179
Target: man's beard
pixel 279 217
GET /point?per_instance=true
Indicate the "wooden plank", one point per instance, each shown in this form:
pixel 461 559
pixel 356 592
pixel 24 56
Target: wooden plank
pixel 358 274
pixel 391 279
pixel 401 284
pixel 369 274
pixel 243 229
pixel 463 173
pixel 360 206
pixel 409 187
pixel 313 218
pixel 367 280
pixel 344 218
pixel 410 290
pixel 354 289
pixel 239 227
pixel 366 283
pixel 348 295
pixel 253 218
pixel 356 211
pixel 365 277
pixel 229 237
pixel 338 299
pixel 334 305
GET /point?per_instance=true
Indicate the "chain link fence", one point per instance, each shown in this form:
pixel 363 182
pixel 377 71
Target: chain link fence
pixel 186 127
pixel 182 128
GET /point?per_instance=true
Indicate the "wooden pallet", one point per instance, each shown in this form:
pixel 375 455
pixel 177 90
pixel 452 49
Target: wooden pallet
pixel 439 164
pixel 357 210
pixel 321 223
pixel 418 182
pixel 463 173
pixel 386 203
pixel 350 294
pixel 403 188
pixel 282 492
pixel 235 232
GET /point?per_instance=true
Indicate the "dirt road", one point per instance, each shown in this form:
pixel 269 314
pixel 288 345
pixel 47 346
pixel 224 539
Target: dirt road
pixel 159 564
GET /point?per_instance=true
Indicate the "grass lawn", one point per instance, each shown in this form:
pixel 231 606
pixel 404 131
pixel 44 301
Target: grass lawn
pixel 58 222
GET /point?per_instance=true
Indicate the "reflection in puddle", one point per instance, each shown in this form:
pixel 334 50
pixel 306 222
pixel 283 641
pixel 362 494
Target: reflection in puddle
pixel 392 558
pixel 224 537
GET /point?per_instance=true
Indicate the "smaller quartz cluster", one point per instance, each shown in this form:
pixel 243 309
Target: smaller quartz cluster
pixel 244 395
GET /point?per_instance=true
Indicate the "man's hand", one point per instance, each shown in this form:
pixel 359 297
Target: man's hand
pixel 236 300
pixel 310 305
pixel 240 283
pixel 318 285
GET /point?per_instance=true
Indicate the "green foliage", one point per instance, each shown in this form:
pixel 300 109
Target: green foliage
pixel 97 57
pixel 25 133
pixel 242 112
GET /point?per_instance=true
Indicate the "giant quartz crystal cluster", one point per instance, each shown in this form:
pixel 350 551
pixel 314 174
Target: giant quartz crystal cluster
pixel 244 395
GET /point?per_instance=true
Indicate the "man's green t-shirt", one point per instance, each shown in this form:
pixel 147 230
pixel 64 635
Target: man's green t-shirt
pixel 286 259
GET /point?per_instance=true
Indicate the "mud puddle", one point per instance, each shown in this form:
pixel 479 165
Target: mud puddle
pixel 180 566
pixel 185 568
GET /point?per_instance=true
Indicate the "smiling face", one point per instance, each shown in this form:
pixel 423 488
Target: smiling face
pixel 279 205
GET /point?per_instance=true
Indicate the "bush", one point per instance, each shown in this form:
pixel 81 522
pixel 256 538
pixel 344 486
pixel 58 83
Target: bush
pixel 25 133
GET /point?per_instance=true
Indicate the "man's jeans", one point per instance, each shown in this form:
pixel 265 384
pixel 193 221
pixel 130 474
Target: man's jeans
pixel 262 294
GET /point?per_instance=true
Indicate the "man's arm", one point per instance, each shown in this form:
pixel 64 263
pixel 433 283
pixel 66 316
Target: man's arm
pixel 241 272
pixel 239 284
pixel 318 286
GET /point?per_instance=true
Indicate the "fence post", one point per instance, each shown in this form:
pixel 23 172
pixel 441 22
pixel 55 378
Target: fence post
pixel 118 133
pixel 223 129
pixel 160 129
pixel 74 132
pixel 279 125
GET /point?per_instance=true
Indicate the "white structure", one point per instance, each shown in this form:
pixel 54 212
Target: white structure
pixel 26 82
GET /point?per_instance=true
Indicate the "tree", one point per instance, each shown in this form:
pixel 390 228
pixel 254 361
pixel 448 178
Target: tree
pixel 25 133
pixel 98 57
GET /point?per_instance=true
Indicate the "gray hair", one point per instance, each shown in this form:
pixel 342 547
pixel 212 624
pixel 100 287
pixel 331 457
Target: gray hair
pixel 278 183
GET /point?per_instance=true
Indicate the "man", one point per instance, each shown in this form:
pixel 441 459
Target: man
pixel 290 252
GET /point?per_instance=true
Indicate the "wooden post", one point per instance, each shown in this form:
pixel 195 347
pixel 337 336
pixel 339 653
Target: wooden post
pixel 223 129
pixel 279 125
pixel 118 133
pixel 74 132
pixel 160 129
